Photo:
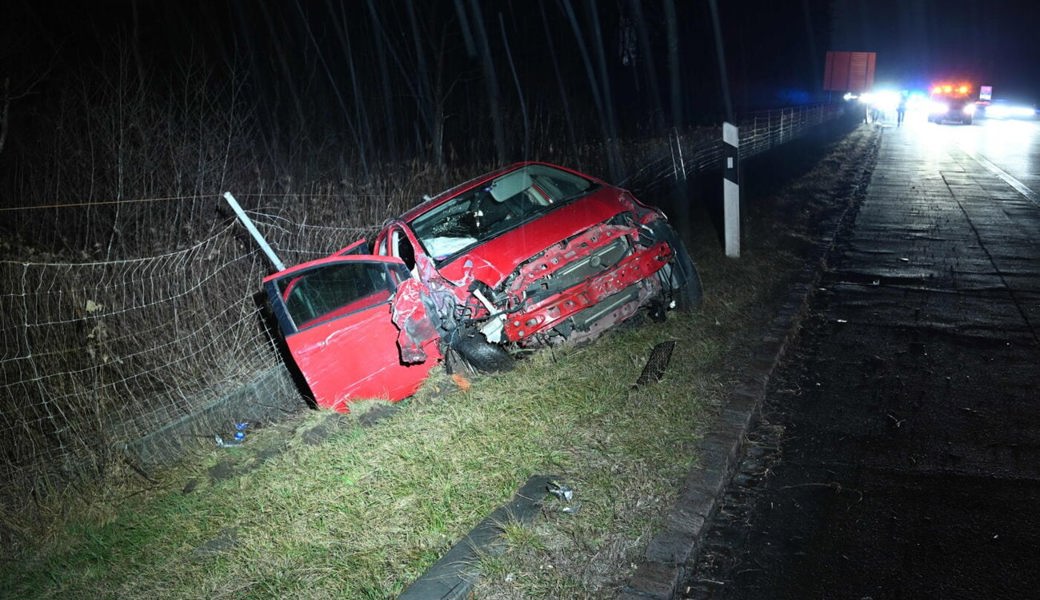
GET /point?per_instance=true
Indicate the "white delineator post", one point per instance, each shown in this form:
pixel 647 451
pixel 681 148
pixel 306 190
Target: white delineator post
pixel 277 262
pixel 731 189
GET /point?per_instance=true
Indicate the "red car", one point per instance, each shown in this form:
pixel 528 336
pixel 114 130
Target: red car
pixel 526 256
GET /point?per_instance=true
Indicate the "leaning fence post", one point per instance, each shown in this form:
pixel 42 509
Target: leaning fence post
pixel 731 189
pixel 278 264
pixel 678 148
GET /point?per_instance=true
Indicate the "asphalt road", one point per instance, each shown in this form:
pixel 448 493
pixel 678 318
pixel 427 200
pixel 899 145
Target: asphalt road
pixel 898 451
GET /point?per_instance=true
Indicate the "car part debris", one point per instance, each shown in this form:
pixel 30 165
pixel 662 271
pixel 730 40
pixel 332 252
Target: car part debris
pixel 657 363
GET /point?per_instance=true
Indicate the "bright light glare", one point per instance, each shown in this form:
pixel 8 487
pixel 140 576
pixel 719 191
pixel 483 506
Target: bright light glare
pixel 938 107
pixel 1010 111
pixel 883 100
pixel 916 103
pixel 969 109
pixel 886 100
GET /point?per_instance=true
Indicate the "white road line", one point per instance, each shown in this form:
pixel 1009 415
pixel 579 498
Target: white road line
pixel 1007 177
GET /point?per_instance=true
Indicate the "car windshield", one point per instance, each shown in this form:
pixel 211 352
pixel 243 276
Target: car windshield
pixel 492 209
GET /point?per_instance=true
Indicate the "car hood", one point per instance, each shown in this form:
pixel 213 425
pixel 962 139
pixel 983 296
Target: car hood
pixel 495 259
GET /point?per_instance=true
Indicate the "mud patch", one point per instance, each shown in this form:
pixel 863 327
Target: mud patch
pixel 329 426
pixel 222 471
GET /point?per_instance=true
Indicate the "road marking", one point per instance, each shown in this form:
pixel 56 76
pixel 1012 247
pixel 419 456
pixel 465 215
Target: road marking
pixel 1007 177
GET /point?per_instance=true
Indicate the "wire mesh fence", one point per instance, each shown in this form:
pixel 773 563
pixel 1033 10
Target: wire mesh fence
pixel 701 150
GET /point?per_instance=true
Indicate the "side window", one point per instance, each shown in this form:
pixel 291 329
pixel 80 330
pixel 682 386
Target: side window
pixel 333 290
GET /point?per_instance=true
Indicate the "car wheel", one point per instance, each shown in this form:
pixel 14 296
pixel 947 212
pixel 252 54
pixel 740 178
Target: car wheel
pixel 689 296
pixel 481 355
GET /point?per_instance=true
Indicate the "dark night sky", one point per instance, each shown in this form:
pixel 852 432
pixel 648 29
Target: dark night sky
pixel 774 49
pixel 290 53
pixel 767 41
pixel 994 42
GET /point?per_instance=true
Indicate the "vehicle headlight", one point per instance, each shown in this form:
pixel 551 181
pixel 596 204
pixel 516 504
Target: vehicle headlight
pixel 939 107
pixel 969 109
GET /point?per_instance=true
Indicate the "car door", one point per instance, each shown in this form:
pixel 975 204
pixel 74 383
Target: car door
pixel 337 317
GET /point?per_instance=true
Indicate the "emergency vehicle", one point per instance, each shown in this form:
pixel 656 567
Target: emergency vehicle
pixel 952 102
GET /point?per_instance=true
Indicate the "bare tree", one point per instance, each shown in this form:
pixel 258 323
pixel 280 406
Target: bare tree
pixel 673 62
pixel 5 111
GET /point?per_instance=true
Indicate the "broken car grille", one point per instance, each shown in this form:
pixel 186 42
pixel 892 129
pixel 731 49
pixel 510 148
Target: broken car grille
pixel 573 273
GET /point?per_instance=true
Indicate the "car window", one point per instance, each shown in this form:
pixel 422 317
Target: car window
pixel 333 290
pixel 506 202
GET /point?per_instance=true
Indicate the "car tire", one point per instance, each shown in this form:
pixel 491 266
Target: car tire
pixel 688 298
pixel 481 355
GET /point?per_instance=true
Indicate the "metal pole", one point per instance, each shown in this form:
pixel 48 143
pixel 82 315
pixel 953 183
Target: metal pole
pixel 278 264
pixel 731 189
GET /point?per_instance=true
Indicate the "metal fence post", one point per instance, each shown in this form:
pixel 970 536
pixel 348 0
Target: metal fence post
pixel 248 223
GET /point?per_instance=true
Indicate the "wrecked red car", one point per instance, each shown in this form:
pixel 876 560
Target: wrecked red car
pixel 526 256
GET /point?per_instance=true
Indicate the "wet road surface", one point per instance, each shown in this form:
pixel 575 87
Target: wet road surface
pixel 898 453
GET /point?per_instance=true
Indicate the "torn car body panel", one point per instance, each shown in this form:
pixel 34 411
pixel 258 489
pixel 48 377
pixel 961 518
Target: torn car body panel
pixel 337 316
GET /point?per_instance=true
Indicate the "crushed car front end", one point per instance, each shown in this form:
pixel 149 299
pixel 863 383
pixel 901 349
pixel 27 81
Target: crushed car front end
pixel 566 258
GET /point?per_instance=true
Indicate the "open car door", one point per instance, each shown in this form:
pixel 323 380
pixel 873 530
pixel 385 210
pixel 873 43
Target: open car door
pixel 337 317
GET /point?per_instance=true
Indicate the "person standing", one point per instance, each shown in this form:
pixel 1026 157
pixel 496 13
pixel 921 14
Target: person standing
pixel 901 109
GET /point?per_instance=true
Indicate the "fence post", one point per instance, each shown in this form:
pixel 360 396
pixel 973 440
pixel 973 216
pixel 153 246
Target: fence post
pixel 731 189
pixel 678 149
pixel 278 264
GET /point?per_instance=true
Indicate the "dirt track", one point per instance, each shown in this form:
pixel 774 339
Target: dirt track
pixel 898 454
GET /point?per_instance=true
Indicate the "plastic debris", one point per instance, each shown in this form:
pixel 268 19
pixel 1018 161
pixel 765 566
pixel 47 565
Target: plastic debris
pixel 239 437
pixel 656 363
pixel 240 431
pixel 222 444
pixel 561 491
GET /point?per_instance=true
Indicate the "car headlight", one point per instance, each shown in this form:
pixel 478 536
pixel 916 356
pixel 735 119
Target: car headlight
pixel 939 107
pixel 969 109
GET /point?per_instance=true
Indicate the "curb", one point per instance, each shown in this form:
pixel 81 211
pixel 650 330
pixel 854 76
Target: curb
pixel 452 577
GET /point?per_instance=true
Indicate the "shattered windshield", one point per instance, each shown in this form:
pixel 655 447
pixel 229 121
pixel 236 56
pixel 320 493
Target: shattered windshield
pixel 504 203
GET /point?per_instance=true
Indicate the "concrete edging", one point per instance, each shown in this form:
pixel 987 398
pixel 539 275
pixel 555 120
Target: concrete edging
pixel 452 577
